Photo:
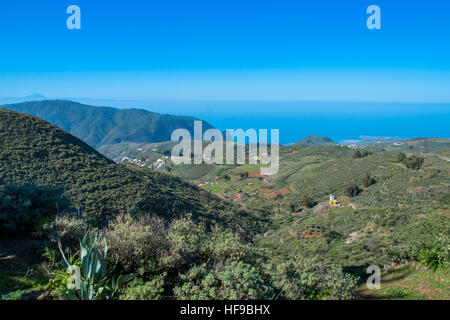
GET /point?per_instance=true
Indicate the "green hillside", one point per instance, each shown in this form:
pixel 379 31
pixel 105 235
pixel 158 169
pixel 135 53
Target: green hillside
pixel 36 152
pixel 398 214
pixel 316 141
pixel 424 145
pixel 104 125
pixel 393 211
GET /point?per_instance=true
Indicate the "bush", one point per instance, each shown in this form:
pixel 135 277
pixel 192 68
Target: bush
pixel 401 157
pixel 400 254
pixel 360 154
pixel 243 174
pixel 434 258
pixel 427 239
pixel 308 201
pixel 357 154
pixel 22 207
pixel 135 243
pixel 236 281
pixel 394 293
pixel 292 206
pixel 304 279
pixel 68 229
pixel 145 290
pixel 185 238
pixel 224 246
pixel 414 162
pixel 352 190
pixel 367 180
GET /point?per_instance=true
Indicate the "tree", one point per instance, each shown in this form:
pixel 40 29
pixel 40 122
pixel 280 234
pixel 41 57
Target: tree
pixel 293 206
pixel 414 162
pixel 357 154
pixel 308 201
pixel 367 180
pixel 360 154
pixel 352 190
pixel 244 175
pixel 401 157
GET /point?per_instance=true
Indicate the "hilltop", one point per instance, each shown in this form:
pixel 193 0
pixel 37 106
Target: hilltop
pixel 99 126
pixel 36 152
pixel 316 141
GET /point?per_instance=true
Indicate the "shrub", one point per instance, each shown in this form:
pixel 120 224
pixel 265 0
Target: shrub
pixel 445 199
pixel 352 190
pixel 304 279
pixel 360 154
pixel 185 239
pixel 135 243
pixel 22 207
pixel 357 154
pixel 333 236
pixel 292 206
pixel 401 157
pixel 394 293
pixel 236 281
pixel 69 229
pixel 400 254
pixel 367 180
pixel 225 246
pixel 139 289
pixel 308 201
pixel 244 174
pixel 434 258
pixel 427 239
pixel 414 162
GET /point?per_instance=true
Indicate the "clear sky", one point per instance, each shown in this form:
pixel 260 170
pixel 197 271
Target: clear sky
pixel 227 50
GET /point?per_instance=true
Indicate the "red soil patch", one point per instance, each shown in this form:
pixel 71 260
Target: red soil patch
pixel 272 194
pixel 283 191
pixel 312 235
pixel 268 193
pixel 254 174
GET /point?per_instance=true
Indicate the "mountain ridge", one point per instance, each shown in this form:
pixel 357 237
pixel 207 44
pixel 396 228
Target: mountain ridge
pixel 316 141
pixel 107 125
pixel 36 152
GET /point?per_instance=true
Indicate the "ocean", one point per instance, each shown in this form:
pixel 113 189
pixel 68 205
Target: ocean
pixel 298 119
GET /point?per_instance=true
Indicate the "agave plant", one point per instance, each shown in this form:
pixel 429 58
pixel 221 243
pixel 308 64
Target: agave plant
pixel 92 280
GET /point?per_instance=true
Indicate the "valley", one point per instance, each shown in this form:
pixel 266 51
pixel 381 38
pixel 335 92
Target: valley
pixel 331 209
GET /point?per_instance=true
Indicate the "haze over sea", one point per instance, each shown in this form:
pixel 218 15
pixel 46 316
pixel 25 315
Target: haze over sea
pixel 297 119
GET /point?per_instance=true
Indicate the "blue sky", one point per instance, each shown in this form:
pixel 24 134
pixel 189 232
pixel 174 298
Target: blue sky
pixel 227 50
